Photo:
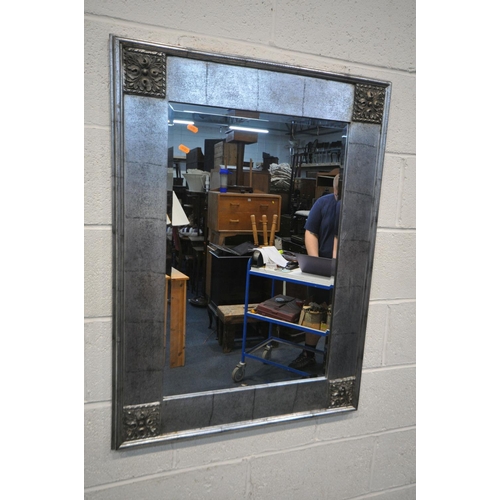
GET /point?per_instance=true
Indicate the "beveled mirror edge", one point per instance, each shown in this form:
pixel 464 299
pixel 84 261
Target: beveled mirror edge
pixel 153 411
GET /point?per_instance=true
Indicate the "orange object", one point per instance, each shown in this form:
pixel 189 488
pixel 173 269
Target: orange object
pixel 193 128
pixel 184 149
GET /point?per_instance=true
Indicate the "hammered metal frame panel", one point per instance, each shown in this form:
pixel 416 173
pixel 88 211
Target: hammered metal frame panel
pixel 220 85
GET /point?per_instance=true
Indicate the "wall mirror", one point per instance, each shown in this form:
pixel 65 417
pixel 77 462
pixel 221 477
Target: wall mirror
pixel 340 119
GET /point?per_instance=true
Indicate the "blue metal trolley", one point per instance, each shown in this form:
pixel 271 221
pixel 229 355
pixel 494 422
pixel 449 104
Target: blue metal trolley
pixel 294 276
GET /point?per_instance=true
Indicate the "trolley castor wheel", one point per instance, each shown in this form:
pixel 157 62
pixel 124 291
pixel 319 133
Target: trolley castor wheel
pixel 267 352
pixel 239 372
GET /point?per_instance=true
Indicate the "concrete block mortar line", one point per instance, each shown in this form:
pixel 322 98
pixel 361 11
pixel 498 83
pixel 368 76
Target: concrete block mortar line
pixel 377 494
pixel 386 333
pixel 98 405
pixel 372 464
pixel 399 202
pixel 388 368
pixel 96 319
pixel 406 180
pixel 175 458
pixel 384 229
pixel 98 227
pixel 204 40
pixel 399 154
pixel 248 482
pixel 390 302
pixel 93 126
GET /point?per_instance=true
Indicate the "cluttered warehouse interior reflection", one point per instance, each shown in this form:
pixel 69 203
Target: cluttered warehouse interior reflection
pixel 241 303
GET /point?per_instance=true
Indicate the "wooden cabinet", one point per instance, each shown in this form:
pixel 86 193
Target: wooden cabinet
pixel 230 212
pixel 229 215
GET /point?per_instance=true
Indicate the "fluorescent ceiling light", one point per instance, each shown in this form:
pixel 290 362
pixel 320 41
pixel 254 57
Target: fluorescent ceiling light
pixel 248 129
pixel 184 122
pixel 196 112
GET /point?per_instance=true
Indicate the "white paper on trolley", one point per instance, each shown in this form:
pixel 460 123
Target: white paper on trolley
pixel 271 254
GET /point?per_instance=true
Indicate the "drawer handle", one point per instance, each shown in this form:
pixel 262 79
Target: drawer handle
pixel 234 204
pixel 264 206
pixel 234 220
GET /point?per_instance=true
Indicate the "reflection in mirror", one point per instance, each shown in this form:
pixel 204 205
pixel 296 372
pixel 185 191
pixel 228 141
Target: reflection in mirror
pixel 230 171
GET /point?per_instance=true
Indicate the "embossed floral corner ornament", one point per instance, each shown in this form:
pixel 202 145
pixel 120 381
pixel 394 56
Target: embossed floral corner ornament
pixel 368 103
pixel 145 72
pixel 341 392
pixel 140 422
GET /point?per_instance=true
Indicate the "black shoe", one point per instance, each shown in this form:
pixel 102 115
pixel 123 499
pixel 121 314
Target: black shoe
pixel 302 361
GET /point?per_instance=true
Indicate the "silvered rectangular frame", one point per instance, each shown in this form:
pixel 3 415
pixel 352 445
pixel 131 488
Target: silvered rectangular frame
pixel 144 78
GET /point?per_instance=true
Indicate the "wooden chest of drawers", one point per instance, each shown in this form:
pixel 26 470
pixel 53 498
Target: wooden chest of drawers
pixel 230 212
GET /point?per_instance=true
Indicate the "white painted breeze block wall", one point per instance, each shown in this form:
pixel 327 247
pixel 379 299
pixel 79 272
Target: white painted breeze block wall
pixel 365 454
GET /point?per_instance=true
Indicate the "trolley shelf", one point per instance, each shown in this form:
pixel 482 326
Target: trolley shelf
pixel 275 321
pixel 295 276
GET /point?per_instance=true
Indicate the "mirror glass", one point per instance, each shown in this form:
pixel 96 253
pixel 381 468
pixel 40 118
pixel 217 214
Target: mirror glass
pixel 294 158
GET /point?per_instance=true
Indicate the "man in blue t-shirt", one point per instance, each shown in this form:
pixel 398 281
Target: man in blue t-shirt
pixel 321 240
pixel 322 227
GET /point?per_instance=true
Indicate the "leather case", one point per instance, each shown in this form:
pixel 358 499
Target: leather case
pixel 280 307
